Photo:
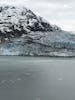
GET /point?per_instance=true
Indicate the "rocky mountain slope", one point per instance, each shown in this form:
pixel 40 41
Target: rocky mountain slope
pixel 24 33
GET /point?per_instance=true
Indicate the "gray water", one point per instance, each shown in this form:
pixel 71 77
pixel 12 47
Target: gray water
pixel 35 78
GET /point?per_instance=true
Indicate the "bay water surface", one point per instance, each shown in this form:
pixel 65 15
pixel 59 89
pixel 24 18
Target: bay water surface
pixel 37 78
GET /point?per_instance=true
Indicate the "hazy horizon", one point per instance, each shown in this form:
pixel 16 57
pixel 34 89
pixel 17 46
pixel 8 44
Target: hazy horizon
pixel 59 12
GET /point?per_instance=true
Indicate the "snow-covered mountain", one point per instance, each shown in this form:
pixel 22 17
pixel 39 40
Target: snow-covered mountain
pixel 24 33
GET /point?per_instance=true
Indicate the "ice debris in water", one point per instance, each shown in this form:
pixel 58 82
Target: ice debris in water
pixel 18 79
pixel 12 81
pixel 38 98
pixel 27 74
pixel 60 79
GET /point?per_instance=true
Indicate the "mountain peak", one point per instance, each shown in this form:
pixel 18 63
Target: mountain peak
pixel 17 20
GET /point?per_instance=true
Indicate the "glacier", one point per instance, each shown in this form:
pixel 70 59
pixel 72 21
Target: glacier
pixel 26 34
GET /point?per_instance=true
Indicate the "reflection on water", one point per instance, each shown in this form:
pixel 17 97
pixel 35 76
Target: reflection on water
pixel 24 78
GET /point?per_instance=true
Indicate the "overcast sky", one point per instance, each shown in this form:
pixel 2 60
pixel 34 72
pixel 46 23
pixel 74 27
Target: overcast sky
pixel 59 12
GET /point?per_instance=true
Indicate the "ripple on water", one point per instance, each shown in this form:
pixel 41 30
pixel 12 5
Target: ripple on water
pixel 3 81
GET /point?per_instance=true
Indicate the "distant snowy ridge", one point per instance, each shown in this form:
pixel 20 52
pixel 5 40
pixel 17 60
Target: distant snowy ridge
pixel 24 33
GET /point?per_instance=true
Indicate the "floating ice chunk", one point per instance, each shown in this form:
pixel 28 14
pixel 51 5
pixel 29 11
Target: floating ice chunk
pixel 38 98
pixel 60 79
pixel 27 74
pixel 18 79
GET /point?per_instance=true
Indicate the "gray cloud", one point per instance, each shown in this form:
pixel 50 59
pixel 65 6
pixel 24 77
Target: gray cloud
pixel 58 1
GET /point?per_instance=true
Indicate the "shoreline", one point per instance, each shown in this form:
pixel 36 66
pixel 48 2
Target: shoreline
pixel 24 56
